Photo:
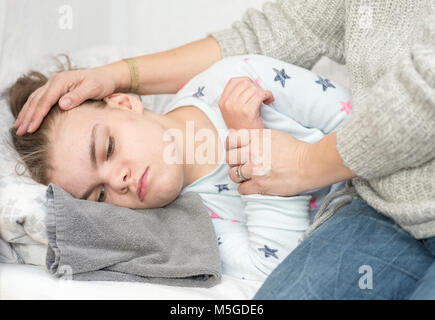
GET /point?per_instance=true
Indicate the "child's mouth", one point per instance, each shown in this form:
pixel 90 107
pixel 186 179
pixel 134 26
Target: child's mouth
pixel 142 188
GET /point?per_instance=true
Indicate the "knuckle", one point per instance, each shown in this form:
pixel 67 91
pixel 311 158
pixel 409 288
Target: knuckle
pixel 36 118
pixel 94 85
pixel 246 112
pixel 33 95
pixel 233 174
pixel 27 117
pixel 55 77
pixel 260 93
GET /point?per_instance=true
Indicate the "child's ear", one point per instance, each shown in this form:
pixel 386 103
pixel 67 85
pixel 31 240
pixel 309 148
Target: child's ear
pixel 122 100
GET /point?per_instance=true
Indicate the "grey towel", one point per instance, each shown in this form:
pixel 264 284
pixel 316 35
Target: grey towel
pixel 173 245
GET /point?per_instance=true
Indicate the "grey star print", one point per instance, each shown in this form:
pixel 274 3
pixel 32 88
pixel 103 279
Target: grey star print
pixel 268 252
pixel 281 76
pixel 199 93
pixel 222 187
pixel 325 83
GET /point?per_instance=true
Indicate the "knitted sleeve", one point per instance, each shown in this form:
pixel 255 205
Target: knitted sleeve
pixel 295 31
pixel 394 125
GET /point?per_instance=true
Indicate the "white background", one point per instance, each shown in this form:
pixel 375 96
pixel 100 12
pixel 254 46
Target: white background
pixel 29 29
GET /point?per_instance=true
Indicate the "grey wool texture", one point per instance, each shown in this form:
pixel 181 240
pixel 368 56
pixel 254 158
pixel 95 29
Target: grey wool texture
pixel 389 50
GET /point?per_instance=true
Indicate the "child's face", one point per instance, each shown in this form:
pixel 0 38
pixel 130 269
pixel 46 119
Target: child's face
pixel 138 144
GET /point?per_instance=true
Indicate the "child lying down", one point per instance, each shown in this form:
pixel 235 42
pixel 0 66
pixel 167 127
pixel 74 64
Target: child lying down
pixel 117 151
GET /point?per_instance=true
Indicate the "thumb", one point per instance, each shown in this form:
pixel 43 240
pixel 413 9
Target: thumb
pixel 269 98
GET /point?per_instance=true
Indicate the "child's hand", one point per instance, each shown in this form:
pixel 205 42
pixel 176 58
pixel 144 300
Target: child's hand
pixel 240 103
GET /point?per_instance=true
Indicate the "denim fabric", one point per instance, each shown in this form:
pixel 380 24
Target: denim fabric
pixel 426 286
pixel 356 254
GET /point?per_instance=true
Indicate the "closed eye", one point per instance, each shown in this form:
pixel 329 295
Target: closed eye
pixel 109 153
pixel 111 147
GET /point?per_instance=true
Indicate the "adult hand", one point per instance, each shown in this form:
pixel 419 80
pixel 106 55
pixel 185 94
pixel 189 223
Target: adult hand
pixel 71 87
pixel 240 103
pixel 275 163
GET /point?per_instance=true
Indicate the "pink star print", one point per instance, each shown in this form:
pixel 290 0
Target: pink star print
pixel 257 81
pixel 213 215
pixel 346 107
pixel 245 60
pixel 312 204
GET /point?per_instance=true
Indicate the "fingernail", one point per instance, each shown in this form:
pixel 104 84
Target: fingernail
pixel 18 132
pixel 30 127
pixel 66 103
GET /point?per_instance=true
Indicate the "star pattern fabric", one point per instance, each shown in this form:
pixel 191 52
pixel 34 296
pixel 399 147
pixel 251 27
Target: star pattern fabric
pixel 281 76
pixel 199 93
pixel 347 107
pixel 213 215
pixel 325 83
pixel 241 225
pixel 222 187
pixel 268 252
pixel 312 204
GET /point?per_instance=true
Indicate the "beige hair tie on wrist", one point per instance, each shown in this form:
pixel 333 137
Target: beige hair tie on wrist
pixel 134 75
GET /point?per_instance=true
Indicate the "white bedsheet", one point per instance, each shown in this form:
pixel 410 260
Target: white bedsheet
pixel 30 282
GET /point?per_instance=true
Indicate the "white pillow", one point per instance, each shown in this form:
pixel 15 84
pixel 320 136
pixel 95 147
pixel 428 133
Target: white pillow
pixel 21 199
pixel 22 210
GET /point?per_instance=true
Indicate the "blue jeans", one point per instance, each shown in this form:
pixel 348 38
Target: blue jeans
pixel 425 289
pixel 356 254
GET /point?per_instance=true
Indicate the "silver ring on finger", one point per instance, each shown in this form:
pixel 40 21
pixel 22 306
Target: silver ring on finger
pixel 239 174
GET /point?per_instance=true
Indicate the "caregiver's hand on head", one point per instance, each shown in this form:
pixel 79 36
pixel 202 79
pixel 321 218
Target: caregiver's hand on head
pixel 240 103
pixel 71 87
pixel 80 85
pixel 275 163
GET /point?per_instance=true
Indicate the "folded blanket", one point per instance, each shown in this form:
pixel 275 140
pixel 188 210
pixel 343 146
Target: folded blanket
pixel 175 245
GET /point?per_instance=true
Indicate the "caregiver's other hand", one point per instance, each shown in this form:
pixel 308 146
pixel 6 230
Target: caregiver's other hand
pixel 71 87
pixel 240 103
pixel 275 163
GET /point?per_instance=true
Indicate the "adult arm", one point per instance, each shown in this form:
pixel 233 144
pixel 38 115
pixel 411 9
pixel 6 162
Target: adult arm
pixel 295 31
pixel 393 126
pixel 168 71
pixel 391 129
pixel 164 72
